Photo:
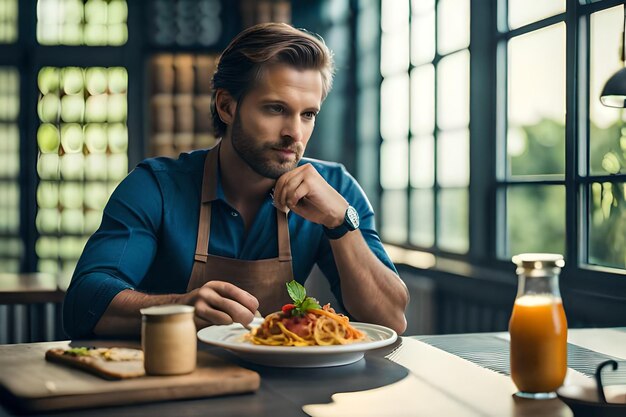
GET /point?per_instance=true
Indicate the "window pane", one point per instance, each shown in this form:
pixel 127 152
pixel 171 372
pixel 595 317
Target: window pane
pixel 394 14
pixel 8 21
pixel 453 229
pixel 453 91
pixel 536 98
pixel 394 219
pixel 453 158
pixel 422 6
pixel 520 13
pixel 11 248
pixel 394 52
pixel 394 107
pixel 453 27
pixel 535 219
pixel 607 224
pixel 607 146
pixel 531 151
pixel 83 144
pixel 78 22
pixel 367 18
pixel 423 161
pixel 186 23
pixel 423 37
pixel 367 171
pixel 423 99
pixel 394 164
pixel 367 122
pixel 422 218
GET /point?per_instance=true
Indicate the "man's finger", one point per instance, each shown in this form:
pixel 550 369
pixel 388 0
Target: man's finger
pixel 235 311
pixel 241 296
pixel 208 314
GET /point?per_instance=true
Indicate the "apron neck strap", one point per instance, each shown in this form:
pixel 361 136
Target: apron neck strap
pixel 209 193
pixel 284 247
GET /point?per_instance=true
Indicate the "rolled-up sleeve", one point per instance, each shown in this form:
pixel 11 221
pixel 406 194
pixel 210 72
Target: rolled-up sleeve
pixel 118 254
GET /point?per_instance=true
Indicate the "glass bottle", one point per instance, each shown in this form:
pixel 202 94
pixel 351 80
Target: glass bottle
pixel 538 327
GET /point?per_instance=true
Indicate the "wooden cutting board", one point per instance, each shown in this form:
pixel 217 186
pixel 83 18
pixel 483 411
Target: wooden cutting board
pixel 30 383
pixel 97 364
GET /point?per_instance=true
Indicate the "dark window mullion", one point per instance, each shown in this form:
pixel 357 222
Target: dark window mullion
pixel 590 8
pixel 501 121
pixel 29 178
pixel 534 26
pixel 601 178
pixel 482 132
pixel 409 223
pixel 572 240
pixel 436 187
pixel 540 180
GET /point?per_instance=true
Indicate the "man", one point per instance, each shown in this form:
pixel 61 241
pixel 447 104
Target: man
pixel 212 229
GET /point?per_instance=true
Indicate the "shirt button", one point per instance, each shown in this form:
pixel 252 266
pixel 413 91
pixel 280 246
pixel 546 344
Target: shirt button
pixel 234 213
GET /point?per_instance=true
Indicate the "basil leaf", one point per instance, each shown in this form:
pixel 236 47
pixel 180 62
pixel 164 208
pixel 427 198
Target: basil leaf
pixel 296 292
pixel 309 304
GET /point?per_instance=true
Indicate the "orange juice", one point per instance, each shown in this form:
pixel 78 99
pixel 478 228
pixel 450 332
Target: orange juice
pixel 538 330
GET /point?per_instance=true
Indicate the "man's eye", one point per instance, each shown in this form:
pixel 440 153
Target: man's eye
pixel 310 115
pixel 275 109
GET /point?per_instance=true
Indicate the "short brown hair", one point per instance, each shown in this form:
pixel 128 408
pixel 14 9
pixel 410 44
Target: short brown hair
pixel 259 46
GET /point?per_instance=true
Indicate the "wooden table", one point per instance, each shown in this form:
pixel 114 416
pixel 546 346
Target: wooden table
pixel 29 289
pixel 447 375
pixel 30 308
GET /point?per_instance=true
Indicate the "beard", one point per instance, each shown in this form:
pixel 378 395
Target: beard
pixel 263 158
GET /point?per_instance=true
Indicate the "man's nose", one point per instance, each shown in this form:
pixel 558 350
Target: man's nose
pixel 292 128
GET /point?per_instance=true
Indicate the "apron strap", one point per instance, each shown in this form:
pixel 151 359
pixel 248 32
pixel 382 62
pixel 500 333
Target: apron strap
pixel 284 248
pixel 209 192
pixel 204 230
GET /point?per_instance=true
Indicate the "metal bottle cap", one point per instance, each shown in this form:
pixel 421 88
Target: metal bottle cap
pixel 538 264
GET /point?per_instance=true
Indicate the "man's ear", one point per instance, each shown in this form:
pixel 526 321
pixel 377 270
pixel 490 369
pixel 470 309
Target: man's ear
pixel 226 106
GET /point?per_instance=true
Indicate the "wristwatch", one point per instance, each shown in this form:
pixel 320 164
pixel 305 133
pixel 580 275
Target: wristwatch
pixel 350 223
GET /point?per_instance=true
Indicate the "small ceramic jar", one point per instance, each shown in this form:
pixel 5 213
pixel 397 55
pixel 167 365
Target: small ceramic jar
pixel 168 339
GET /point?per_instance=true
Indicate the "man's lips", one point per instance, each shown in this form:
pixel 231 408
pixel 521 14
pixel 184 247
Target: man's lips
pixel 285 151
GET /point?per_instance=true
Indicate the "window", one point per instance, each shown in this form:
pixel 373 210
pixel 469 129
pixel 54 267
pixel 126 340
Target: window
pixel 8 21
pixel 424 124
pixel 540 184
pixel 533 182
pixel 83 142
pixel 64 137
pixel 71 99
pixel 553 173
pixel 11 248
pixel 74 22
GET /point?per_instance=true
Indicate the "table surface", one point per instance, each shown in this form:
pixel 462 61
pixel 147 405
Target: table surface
pixel 29 288
pixel 446 375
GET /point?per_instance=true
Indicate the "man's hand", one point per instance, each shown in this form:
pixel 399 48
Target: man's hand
pixel 219 302
pixel 307 193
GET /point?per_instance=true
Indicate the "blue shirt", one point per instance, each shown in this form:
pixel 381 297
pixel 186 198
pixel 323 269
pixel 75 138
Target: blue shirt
pixel 149 228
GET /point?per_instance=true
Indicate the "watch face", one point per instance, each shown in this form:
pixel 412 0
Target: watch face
pixel 352 218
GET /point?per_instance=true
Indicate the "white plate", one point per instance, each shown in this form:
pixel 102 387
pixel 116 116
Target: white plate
pixel 231 337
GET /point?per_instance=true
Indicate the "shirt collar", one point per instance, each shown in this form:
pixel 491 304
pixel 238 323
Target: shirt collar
pixel 212 189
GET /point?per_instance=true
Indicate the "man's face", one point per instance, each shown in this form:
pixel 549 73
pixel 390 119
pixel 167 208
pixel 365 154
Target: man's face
pixel 275 120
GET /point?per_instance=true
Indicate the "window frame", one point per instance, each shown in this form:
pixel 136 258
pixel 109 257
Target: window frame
pixel 576 17
pixel 488 116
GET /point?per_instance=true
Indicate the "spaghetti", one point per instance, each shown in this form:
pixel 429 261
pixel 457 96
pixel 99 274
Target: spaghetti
pixel 317 327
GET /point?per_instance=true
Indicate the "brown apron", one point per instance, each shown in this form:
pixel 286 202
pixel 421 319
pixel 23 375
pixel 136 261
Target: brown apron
pixel 265 279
